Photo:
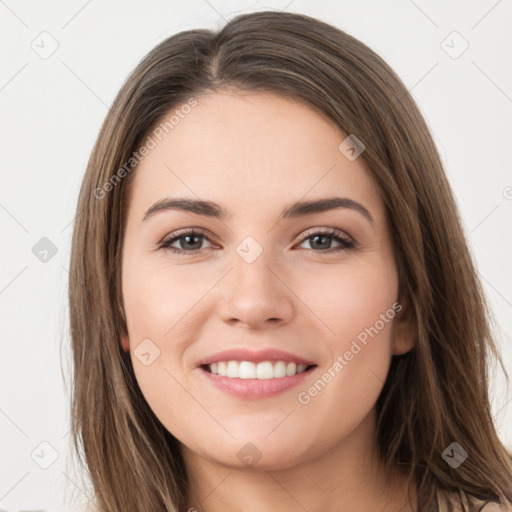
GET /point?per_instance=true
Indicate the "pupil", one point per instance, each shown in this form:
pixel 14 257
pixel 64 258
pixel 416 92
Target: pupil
pixel 188 237
pixel 326 244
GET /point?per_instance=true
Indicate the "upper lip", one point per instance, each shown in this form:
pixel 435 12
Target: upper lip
pixel 244 354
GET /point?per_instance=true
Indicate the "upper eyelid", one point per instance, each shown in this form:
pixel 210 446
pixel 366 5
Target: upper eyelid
pixel 186 231
pixel 328 231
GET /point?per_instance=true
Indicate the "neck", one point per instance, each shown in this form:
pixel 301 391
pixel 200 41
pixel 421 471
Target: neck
pixel 346 477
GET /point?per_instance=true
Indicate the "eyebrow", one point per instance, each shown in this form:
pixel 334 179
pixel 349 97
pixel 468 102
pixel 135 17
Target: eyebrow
pixel 298 209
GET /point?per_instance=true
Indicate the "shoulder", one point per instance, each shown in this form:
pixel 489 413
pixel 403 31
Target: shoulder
pixel 491 506
pixel 460 502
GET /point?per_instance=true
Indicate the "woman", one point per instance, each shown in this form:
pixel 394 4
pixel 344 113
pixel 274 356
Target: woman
pixel 226 354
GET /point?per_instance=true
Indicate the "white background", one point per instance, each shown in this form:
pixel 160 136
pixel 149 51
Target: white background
pixel 51 112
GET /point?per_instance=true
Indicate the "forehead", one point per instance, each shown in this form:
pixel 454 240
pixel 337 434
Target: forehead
pixel 250 150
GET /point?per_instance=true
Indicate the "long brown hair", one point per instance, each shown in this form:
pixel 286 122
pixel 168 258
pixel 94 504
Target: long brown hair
pixel 434 395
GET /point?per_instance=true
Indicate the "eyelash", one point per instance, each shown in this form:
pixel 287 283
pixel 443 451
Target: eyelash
pixel 330 232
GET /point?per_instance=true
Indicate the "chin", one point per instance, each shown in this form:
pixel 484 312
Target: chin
pixel 259 455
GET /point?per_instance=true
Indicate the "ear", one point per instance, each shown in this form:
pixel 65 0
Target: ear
pixel 405 327
pixel 125 343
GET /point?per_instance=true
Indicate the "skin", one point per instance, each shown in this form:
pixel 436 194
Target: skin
pixel 255 154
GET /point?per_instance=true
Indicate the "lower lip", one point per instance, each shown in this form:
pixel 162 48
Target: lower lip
pixel 252 389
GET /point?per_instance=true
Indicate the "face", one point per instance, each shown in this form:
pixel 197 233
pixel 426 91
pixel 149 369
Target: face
pixel 318 284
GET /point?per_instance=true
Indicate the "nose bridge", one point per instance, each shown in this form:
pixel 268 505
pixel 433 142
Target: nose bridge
pixel 255 265
pixel 255 293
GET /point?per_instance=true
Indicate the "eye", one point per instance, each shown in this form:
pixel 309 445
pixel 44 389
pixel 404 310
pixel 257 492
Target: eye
pixel 318 238
pixel 191 240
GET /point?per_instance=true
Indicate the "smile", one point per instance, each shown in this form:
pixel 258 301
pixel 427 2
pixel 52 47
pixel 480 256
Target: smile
pixel 250 370
pixel 255 381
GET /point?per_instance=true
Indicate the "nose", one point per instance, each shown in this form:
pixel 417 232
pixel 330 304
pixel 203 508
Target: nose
pixel 255 294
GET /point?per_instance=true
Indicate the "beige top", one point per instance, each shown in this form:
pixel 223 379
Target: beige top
pixel 485 506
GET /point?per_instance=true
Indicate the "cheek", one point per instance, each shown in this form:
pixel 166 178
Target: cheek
pixel 160 300
pixel 353 301
pixel 365 313
pixel 358 307
pixel 164 313
pixel 158 309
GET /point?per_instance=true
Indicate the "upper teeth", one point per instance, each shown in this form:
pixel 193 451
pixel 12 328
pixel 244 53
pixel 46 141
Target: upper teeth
pixel 250 370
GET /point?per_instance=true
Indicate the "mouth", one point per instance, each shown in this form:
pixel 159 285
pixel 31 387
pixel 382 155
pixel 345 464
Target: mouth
pixel 263 370
pixel 249 374
pixel 248 380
